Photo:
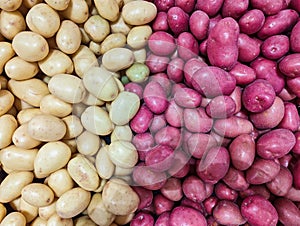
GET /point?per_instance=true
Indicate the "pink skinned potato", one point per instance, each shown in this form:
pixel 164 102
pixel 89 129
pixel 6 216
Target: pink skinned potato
pixel 295 38
pixel 209 204
pixel 175 70
pixel 275 47
pixel 296 5
pixel 194 188
pixel 269 7
pixel 187 46
pixel 259 211
pixel 163 219
pixel 164 5
pixel 199 143
pixel 199 23
pixel 235 179
pixel 282 183
pixel 243 74
pixel 134 88
pixel 182 215
pixel 159 158
pixel 286 160
pixel 296 148
pixel 286 95
pixel 290 65
pixel 296 174
pixel 223 192
pixel 249 48
pixel 145 195
pixel 293 194
pixel 293 85
pixel 163 80
pixel 176 87
pixel 203 47
pixel 252 21
pixel 142 219
pixel 213 21
pixel 143 143
pixel 180 167
pixel 195 205
pixel 221 107
pixel 187 98
pixel 236 96
pixel 228 213
pixel 142 120
pixel 291 119
pixel 209 7
pixel 160 22
pixel 168 135
pixel 174 114
pixel 157 63
pixel 222 44
pixel 196 120
pixel 190 67
pixel 162 204
pixel 234 8
pixel 161 43
pixel 178 20
pixel 172 189
pixel 288 212
pixel 261 190
pixel 186 5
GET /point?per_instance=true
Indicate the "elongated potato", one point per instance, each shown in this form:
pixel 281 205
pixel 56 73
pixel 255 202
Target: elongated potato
pixel 19 69
pixel 60 182
pixel 37 194
pixel 11 23
pixel 8 126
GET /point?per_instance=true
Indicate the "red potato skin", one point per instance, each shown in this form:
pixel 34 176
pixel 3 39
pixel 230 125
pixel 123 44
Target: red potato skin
pixel 142 120
pixel 213 21
pixel 134 88
pixel 174 114
pixel 259 211
pixel 168 135
pixel 208 6
pixel 296 148
pixel 203 47
pixel 187 46
pixel 157 63
pixel 161 43
pixel 199 23
pixel 182 215
pixel 249 48
pixel 159 158
pixel 275 47
pixel 221 107
pixel 199 143
pixel 180 167
pixel 296 174
pixel 255 190
pixel 288 213
pixel 236 96
pixel 194 188
pixel 142 219
pixel 243 74
pixel 282 183
pixel 178 20
pixel 175 70
pixel 294 85
pixel 209 204
pixel 228 213
pixel 186 5
pixel 296 5
pixel 286 95
pixel 143 143
pixel 295 38
pixel 163 80
pixel 158 122
pixel 269 7
pixel 252 21
pixel 172 189
pixel 293 194
pixel 290 65
pixel 162 204
pixel 222 44
pixel 235 179
pixel 163 219
pixel 187 98
pixel 146 196
pixel 196 120
pixel 223 192
pixel 190 67
pixel 195 205
pixel 164 5
pixel 160 23
pixel 234 8
pixel 276 24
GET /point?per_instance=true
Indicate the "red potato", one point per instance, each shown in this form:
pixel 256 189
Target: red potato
pixel 249 48
pixel 221 140
pixel 142 120
pixel 163 80
pixel 285 161
pixel 176 87
pixel 255 190
pixel 198 23
pixel 186 5
pixel 295 38
pixel 242 151
pixel 243 74
pixel 142 219
pixel 134 88
pixel 199 143
pixel 232 127
pixel 282 183
pixel 208 6
pixel 187 98
pixel 275 47
pixel 236 96
pixel 269 118
pixel 296 174
pixel 159 158
pixel 172 189
pixel 209 187
pixel 228 213
pixel 269 7
pixel 294 85
pixel 275 143
pixel 221 107
pixel 234 8
pixel 268 70
pixel 209 204
pixel 168 135
pixel 212 81
pixel 288 213
pixel 279 23
pixel 223 192
pixel 252 21
pixel 194 188
pixel 158 122
pixel 258 96
pixel 293 194
pixel 214 165
pixel 196 120
pixel 290 65
pixel 296 148
pixel 160 22
pixel 180 167
pixel 259 211
pixel 162 204
pixel 164 5
pixel 222 44
pixel 190 67
pixel 145 196
pixel 156 63
pixel 187 46
pixel 296 5
pixel 286 95
pixel 155 97
pixel 213 21
pixel 143 143
pixel 163 219
pixel 178 20
pixel 174 114
pixel 262 171
pixel 182 215
pixel 175 70
pixel 235 179
pixel 195 205
pixel 161 43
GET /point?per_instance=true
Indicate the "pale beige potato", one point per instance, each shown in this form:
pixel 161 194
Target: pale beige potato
pixel 56 62
pixel 88 143
pixel 30 46
pixel 123 154
pixel 125 219
pixel 95 47
pixel 46 212
pixel 108 9
pixel 84 173
pixel 3 211
pixel 90 99
pixel 73 202
pixel 42 16
pixel 121 171
pixel 67 87
pixel 18 159
pixel 58 4
pixel 117 59
pixel 29 211
pixel 6 53
pixel 124 108
pixel 83 60
pixel 119 198
pixel 56 220
pixel 11 23
pixel 120 26
pixel 100 83
pixel 51 157
pixel 38 221
pixel 8 126
pixel 104 165
pixel 18 69
pixel 6 101
pixel 138 36
pixel 52 105
pixel 113 41
pixel 10 5
pixel 3 82
pixel 14 204
pixel 120 84
pixel 140 55
pixel 26 115
pixel 68 37
pixel 21 104
pixel 12 185
pixel 60 182
pixel 46 128
pixel 85 39
pixel 28 4
pixel 84 221
pixel 74 126
pixel 37 194
pixel 96 120
pixel 98 212
pixel 120 3
pixel 21 138
pixel 78 109
pixel 14 219
pixel 97 28
pixel 121 133
pixel 77 11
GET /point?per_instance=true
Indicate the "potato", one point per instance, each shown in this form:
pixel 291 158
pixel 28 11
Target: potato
pixel 26 115
pixel 142 120
pixel 138 36
pixel 14 219
pixel 7 19
pixel 120 26
pixel 121 133
pixel 19 69
pixel 108 9
pixel 117 59
pixel 97 28
pixel 38 221
pixel 288 212
pixel 291 119
pixel 37 194
pixel 114 40
pixel 10 5
pixel 268 7
pixel 84 220
pixel 294 38
pixel 282 183
pixel 252 21
pixel 235 179
pixel 234 9
pixel 249 48
pixel 194 189
pixel 289 65
pixel 8 126
pixel 29 211
pixel 142 218
pixel 57 220
pixel 275 46
pixel 30 46
pixel 77 11
pixel 104 165
pixel 6 53
pixel 74 126
pixel 58 5
pixel 52 105
pixel 46 212
pixel 88 143
pixel 186 215
pixel 60 182
pixel 178 20
pixel 209 7
pixel 3 212
pixel 7 101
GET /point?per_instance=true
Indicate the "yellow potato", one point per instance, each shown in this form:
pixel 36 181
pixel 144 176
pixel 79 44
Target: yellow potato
pixel 11 23
pixel 77 11
pixel 120 171
pixel 46 128
pixel 28 4
pixel 30 46
pixel 18 69
pixel 18 159
pixel 14 219
pixel 104 165
pixel 125 219
pixel 88 143
pixel 56 62
pixel 46 212
pixel 58 4
pixel 52 156
pixel 85 39
pixel 52 105
pixel 138 36
pixel 73 202
pixel 68 88
pixel 139 12
pixel 97 28
pixel 8 125
pixel 95 47
pixel 74 126
pixel 6 53
pixel 90 99
pixel 26 115
pixel 84 173
pixel 108 9
pixel 3 82
pixel 121 133
pixel 42 16
pixel 56 220
pixel 22 139
pixel 10 5
pixel 84 221
pixel 3 211
pixel 60 182
pixel 12 185
pixel 38 222
pixel 120 26
pixel 37 194
pixel 29 211
pixel 21 104
pixel 140 55
pixel 113 41
pixel 6 101
pixel 117 59
pixel 68 37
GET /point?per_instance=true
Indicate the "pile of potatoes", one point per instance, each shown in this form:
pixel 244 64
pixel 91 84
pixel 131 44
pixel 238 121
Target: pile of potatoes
pixel 61 97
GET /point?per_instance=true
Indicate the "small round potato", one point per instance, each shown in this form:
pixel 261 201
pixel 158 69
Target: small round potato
pixel 46 212
pixel 22 139
pixel 3 211
pixel 8 126
pixel 26 115
pixel 120 26
pixel 74 126
pixel 58 4
pixel 97 28
pixel 114 40
pixel 29 211
pixel 60 182
pixel 6 101
pixel 138 36
pixel 88 143
pixel 11 23
pixel 10 5
pixel 117 59
pixel 14 219
pixel 6 53
pixel 56 220
pixel 121 133
pixel 77 11
pixel 108 9
pixel 52 105
pixel 104 165
pixel 37 194
pixel 18 69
